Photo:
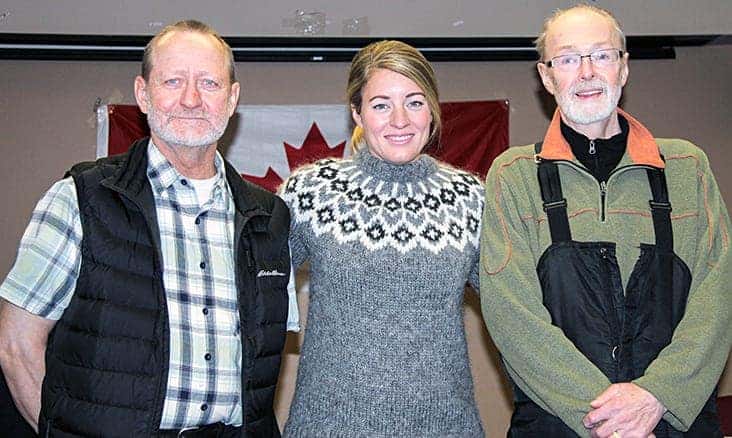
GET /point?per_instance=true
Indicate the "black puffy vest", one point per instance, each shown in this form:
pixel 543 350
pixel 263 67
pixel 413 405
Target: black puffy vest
pixel 107 357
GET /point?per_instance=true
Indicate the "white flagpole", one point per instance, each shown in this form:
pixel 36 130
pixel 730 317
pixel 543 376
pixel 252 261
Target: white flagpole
pixel 102 131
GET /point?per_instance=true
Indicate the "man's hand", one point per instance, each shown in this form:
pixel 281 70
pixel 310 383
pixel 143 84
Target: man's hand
pixel 23 338
pixel 625 410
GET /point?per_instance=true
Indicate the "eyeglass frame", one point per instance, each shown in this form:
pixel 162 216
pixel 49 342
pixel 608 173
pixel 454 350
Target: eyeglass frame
pixel 550 63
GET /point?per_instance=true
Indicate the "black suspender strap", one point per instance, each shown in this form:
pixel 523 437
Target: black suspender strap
pixel 555 205
pixel 661 210
pixel 661 213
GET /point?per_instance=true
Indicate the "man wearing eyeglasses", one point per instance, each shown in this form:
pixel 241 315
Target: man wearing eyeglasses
pixel 605 258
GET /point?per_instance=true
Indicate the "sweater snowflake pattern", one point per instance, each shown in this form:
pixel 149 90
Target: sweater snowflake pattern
pixel 390 248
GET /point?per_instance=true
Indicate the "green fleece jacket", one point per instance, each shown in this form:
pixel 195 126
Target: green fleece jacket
pixel 540 359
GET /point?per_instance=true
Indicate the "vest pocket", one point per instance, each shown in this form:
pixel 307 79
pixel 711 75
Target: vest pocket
pixel 272 278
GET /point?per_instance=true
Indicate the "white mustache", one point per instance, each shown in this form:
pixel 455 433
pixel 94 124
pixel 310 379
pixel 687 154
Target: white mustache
pixel 587 86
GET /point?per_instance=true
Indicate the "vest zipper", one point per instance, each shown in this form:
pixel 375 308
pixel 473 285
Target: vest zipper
pixel 250 262
pixel 592 147
pixel 243 333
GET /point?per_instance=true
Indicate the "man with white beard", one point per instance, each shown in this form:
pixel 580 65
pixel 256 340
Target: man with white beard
pixel 149 295
pixel 611 312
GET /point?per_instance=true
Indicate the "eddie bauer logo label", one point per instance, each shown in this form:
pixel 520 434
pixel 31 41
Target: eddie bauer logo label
pixel 274 273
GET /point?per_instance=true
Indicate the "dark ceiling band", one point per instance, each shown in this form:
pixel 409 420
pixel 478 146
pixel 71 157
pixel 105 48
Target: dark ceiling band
pixel 319 49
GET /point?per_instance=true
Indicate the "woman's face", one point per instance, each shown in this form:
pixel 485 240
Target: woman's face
pixel 394 116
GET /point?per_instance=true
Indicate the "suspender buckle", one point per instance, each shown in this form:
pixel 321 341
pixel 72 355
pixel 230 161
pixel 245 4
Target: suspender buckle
pixel 556 204
pixel 660 205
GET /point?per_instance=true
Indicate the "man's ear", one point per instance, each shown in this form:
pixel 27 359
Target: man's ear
pixel 141 96
pixel 546 78
pixel 234 97
pixel 624 69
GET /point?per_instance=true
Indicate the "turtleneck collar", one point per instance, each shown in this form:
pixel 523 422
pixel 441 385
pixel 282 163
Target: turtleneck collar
pixel 576 139
pixel 600 155
pixel 422 167
pixel 641 149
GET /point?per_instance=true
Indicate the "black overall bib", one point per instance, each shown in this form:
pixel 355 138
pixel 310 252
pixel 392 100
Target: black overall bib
pixel 621 332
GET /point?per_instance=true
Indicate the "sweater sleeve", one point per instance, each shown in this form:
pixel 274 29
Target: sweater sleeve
pixel 289 193
pixel 474 275
pixel 538 357
pixel 686 372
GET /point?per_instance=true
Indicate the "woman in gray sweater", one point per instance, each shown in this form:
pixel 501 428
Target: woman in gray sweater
pixel 392 238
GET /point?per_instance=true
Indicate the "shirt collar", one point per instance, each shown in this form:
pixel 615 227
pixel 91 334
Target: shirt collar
pixel 641 149
pixel 163 175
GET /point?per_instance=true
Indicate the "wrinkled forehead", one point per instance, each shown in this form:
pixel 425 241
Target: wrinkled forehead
pixel 581 30
pixel 192 52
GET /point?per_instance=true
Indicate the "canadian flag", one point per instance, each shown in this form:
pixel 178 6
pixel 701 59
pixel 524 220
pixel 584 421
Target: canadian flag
pixel 266 142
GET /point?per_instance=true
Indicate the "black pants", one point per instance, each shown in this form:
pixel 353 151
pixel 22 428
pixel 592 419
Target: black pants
pixel 11 422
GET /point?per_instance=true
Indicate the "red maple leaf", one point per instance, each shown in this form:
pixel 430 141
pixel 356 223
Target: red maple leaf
pixel 313 148
pixel 270 181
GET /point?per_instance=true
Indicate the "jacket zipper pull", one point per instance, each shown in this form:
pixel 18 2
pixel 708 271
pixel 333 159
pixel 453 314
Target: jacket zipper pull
pixel 603 194
pixel 592 147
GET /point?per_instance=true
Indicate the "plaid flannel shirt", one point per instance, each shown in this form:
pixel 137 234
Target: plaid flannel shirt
pixel 198 274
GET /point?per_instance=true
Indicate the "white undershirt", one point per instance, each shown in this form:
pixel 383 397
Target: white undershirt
pixel 203 188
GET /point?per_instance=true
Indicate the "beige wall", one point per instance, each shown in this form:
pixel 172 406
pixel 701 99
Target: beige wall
pixel 47 124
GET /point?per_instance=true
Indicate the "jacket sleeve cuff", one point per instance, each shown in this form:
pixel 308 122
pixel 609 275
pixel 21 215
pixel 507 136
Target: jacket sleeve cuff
pixel 677 414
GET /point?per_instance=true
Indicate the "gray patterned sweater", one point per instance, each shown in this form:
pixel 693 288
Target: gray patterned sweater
pixel 390 250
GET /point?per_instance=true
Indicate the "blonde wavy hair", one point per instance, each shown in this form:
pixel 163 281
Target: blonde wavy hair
pixel 400 58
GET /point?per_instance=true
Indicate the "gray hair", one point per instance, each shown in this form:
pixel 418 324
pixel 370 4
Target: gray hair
pixel 540 42
pixel 186 26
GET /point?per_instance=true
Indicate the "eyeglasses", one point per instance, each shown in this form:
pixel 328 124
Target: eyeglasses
pixel 572 61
